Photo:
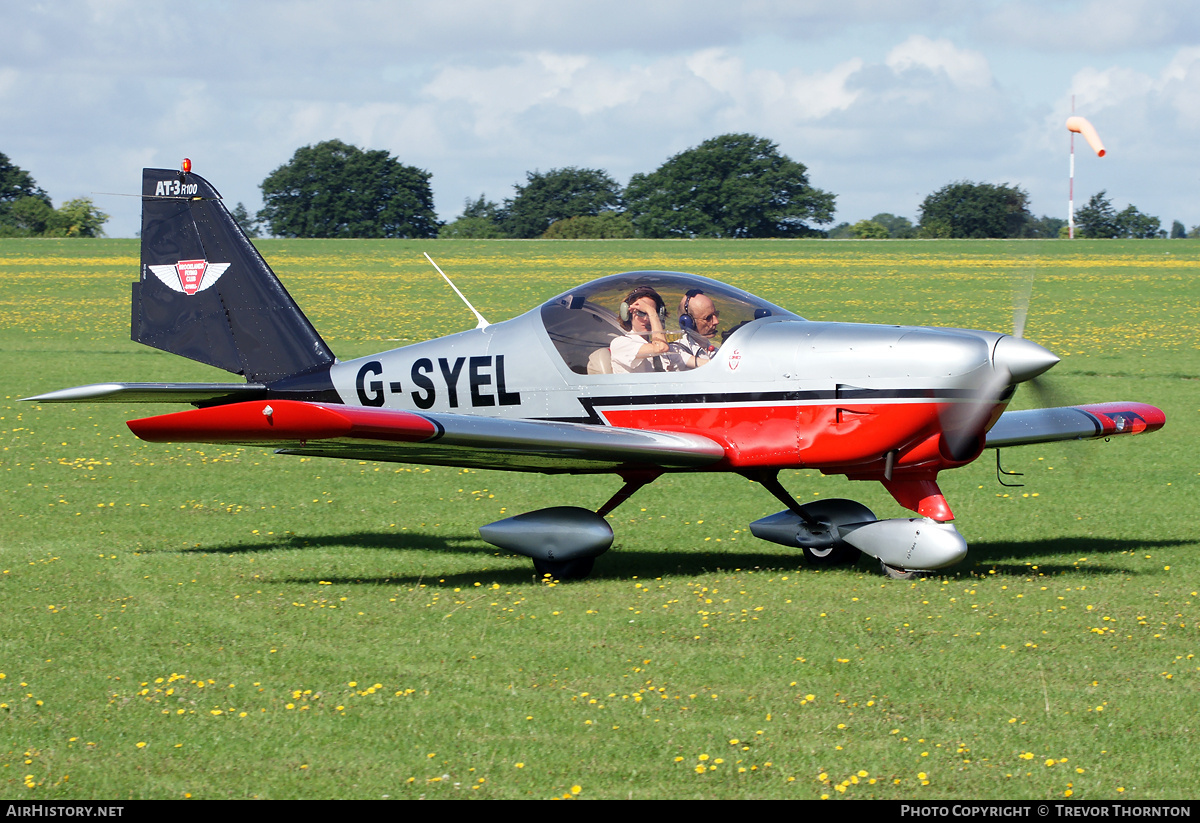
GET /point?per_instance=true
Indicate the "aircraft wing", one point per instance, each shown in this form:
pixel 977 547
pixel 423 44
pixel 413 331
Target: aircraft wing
pixel 355 432
pixel 1021 428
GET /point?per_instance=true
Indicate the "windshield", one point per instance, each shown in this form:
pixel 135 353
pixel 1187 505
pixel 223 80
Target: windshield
pixel 584 322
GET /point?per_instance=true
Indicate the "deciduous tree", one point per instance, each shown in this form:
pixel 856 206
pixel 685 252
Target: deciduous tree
pixel 482 207
pixel 1133 223
pixel 966 209
pixel 1098 218
pixel 558 194
pixel 18 186
pixel 337 190
pixel 734 185
pixel 609 225
pixel 480 220
pixel 869 230
pixel 26 210
pixel 26 216
pixel 1046 227
pixel 899 228
pixel 77 218
pixel 471 228
pixel 244 219
pixel 16 183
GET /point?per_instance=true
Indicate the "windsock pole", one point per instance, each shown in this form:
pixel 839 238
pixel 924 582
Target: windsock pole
pixel 1081 126
pixel 1071 187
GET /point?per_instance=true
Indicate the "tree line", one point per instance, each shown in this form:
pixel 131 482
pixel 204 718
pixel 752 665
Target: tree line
pixel 26 209
pixel 734 185
pixel 963 209
pixel 983 210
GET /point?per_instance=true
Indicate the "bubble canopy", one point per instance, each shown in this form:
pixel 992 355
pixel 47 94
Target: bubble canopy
pixel 586 318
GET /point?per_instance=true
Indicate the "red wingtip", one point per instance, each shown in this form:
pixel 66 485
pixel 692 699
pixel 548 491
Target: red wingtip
pixel 1127 418
pixel 258 420
pixel 282 421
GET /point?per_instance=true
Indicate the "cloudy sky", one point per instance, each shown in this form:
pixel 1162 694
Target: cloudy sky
pixel 885 101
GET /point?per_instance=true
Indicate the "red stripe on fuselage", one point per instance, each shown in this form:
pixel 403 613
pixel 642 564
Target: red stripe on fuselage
pixel 818 435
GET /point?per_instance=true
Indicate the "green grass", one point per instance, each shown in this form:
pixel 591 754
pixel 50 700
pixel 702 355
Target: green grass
pixel 225 623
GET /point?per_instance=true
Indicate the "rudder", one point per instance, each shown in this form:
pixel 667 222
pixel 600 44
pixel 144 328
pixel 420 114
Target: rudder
pixel 205 292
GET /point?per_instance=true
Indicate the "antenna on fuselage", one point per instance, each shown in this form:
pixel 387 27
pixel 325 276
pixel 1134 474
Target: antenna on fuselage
pixel 482 324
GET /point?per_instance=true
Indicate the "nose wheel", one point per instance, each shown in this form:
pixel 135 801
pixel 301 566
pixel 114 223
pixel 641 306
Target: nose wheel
pixel 895 573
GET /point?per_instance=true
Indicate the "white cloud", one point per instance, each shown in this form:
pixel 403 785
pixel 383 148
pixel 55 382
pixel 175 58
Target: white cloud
pixel 1096 27
pixel 1132 102
pixel 966 69
pixel 710 83
pixel 883 101
pixel 786 96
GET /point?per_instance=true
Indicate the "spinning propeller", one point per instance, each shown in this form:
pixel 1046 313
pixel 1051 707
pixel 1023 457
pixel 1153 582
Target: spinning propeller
pixel 1014 360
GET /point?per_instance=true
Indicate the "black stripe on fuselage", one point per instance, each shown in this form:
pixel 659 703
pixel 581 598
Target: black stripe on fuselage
pixel 842 393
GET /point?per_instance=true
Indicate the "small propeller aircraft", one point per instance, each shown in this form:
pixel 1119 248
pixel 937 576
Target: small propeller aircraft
pixel 594 381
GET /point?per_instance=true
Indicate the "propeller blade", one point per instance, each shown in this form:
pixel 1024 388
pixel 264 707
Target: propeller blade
pixel 1014 361
pixel 1047 393
pixel 963 423
pixel 1022 294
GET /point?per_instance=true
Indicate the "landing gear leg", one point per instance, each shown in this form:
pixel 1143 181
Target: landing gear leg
pixel 633 482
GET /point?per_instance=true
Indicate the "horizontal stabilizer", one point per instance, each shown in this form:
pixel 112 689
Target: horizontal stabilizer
pixel 152 393
pixel 1021 428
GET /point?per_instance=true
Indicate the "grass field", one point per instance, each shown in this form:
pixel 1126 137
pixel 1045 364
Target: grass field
pixel 207 622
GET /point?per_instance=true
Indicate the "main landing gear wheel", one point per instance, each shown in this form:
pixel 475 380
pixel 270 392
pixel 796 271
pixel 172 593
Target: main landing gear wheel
pixel 564 570
pixel 898 574
pixel 838 512
pixel 840 554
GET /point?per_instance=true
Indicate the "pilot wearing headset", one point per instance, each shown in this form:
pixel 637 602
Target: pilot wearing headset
pixel 698 319
pixel 644 343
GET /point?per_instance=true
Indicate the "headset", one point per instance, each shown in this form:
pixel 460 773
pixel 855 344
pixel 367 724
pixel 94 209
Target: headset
pixel 685 320
pixel 636 295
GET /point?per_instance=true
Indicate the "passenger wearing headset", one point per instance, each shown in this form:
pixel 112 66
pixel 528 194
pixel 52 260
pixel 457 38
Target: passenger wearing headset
pixel 698 320
pixel 644 343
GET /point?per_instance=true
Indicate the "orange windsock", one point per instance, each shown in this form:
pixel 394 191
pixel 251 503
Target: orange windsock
pixel 1081 126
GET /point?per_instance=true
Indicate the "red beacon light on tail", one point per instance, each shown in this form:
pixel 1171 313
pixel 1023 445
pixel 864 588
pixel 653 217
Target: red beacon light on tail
pixel 186 166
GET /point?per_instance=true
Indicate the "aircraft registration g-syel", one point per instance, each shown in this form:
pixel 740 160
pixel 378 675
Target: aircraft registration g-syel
pixel 635 375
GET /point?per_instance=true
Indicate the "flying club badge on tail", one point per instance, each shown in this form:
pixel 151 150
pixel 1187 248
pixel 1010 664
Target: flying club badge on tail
pixel 190 276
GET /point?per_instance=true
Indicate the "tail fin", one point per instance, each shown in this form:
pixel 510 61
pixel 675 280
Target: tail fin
pixel 205 292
